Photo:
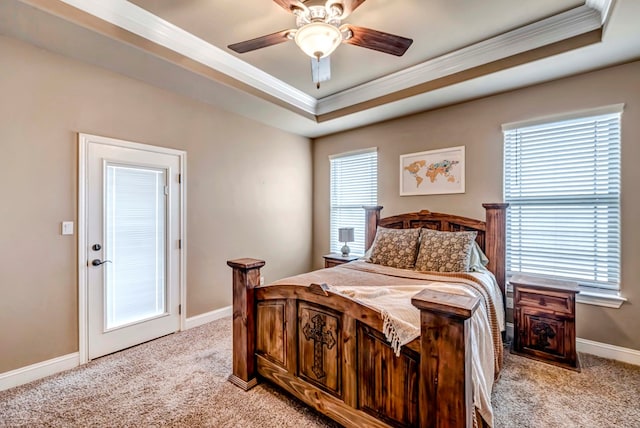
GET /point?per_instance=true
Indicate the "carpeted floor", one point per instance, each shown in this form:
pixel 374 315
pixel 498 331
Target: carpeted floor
pixel 180 381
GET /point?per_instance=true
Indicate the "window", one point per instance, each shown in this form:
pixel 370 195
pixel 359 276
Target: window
pixel 354 183
pixel 562 181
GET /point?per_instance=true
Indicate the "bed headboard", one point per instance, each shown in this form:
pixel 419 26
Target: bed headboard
pixel 491 232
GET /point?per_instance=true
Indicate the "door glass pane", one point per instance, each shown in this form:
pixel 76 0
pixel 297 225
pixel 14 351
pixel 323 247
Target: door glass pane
pixel 135 225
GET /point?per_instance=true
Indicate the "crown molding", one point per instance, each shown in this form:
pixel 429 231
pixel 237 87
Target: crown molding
pixel 574 22
pixel 584 22
pixel 143 23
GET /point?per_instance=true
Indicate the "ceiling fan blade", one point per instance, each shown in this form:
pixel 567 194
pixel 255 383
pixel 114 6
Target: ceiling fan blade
pixel 320 70
pixel 378 41
pixel 289 5
pixel 349 6
pixel 260 42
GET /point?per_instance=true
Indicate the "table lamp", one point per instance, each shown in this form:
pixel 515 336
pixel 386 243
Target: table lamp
pixel 345 234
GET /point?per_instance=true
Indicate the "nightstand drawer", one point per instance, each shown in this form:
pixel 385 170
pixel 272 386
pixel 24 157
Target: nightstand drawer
pixel 549 301
pixel 332 263
pixel 334 259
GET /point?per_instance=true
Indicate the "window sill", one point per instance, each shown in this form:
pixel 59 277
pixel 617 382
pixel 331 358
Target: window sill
pixel 600 299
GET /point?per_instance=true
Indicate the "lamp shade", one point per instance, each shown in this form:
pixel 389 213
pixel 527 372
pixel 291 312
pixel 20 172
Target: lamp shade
pixel 345 234
pixel 318 39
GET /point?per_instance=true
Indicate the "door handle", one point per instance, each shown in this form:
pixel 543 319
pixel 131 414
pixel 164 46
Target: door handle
pixel 98 262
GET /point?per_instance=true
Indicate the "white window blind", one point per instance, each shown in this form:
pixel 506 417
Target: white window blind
pixel 562 181
pixel 354 183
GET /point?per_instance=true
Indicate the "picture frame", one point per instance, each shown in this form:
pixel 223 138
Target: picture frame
pixel 433 172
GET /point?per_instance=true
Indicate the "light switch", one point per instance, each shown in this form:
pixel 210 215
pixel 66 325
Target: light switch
pixel 67 228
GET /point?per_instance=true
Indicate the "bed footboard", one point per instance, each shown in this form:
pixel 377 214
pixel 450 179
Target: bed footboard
pixel 329 352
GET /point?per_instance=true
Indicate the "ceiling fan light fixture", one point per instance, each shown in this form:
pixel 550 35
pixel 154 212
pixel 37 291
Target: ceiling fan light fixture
pixel 318 39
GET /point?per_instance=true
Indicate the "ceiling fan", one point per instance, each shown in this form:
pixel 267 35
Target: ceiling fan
pixel 319 33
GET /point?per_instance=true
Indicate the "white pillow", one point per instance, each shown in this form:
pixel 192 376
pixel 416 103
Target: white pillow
pixel 478 260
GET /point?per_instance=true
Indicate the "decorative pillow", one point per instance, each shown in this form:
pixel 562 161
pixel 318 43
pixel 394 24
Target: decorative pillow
pixel 445 251
pixel 395 247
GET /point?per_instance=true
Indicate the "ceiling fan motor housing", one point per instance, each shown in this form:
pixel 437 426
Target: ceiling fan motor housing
pixel 330 14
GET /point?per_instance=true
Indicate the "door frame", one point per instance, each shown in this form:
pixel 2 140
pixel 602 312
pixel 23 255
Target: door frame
pixel 83 143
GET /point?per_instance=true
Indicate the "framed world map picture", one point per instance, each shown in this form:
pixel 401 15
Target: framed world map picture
pixel 433 172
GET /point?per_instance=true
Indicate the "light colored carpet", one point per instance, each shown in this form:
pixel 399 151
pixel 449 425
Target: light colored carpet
pixel 180 381
pixel 533 394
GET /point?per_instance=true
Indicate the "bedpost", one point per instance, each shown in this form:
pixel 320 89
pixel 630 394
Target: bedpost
pixel 372 217
pixel 495 240
pixel 246 276
pixel 446 390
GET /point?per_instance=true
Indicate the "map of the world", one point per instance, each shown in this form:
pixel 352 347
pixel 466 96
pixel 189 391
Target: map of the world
pixel 444 169
pixel 432 172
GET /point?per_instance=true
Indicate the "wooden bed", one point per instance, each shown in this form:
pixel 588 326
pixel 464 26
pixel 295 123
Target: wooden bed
pixel 329 351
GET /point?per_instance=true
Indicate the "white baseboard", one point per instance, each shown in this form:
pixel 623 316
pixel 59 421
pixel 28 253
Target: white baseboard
pixel 38 370
pixel 208 317
pixel 604 350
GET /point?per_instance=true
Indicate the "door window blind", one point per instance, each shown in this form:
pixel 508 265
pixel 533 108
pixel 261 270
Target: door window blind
pixel 562 181
pixel 354 183
pixel 135 242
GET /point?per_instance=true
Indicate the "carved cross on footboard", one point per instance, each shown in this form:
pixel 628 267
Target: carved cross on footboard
pixel 320 338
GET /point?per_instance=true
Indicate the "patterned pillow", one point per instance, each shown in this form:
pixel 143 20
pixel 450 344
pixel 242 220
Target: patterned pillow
pixel 395 247
pixel 445 251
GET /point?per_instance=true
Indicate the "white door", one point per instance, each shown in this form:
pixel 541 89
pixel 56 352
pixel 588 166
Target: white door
pixel 132 243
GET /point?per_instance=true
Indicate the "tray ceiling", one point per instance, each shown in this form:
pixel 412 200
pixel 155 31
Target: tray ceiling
pixel 436 27
pixel 462 49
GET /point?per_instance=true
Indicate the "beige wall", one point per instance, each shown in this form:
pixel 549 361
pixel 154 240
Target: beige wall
pixel 239 171
pixel 477 125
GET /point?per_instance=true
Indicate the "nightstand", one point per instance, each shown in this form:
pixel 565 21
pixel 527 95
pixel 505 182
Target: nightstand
pixel 335 259
pixel 544 315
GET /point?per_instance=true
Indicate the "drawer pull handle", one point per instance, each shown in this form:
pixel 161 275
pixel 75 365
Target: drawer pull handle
pixel 543 302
